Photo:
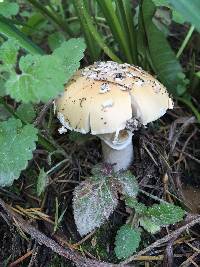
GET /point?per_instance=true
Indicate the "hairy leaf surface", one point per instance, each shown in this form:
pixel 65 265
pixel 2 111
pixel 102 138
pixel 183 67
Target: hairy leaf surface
pixel 16 145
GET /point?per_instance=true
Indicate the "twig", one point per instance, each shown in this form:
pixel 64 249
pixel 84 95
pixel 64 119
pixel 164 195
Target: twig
pixel 41 238
pixel 22 258
pixel 42 113
pixel 167 238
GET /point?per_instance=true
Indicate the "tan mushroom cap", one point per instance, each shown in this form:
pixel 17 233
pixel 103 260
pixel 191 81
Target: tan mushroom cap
pixel 107 96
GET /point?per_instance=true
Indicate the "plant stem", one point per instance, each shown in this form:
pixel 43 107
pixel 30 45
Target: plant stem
pixel 191 106
pixel 51 16
pixel 10 31
pixel 185 42
pixel 93 31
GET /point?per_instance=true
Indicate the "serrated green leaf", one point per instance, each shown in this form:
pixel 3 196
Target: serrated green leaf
pixel 26 112
pixel 138 206
pixel 93 203
pixel 164 214
pixel 55 40
pixel 70 52
pixel 8 8
pixel 8 54
pixel 127 241
pixel 16 145
pixel 43 77
pixel 128 183
pixel 149 225
pixel 41 182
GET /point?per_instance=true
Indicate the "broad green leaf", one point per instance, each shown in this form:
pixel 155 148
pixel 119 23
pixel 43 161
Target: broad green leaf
pixel 164 214
pixel 41 182
pixel 176 16
pixel 8 8
pixel 149 225
pixel 189 10
pixel 139 207
pixel 127 241
pixel 93 203
pixel 70 52
pixel 164 61
pixel 55 40
pixel 43 77
pixel 26 112
pixel 8 54
pixel 128 183
pixel 16 145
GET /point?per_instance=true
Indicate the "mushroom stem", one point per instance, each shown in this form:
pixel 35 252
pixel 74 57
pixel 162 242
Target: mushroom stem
pixel 120 158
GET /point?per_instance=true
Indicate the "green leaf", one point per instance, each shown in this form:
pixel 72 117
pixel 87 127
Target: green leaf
pixel 41 182
pixel 43 77
pixel 8 8
pixel 128 183
pixel 55 40
pixel 26 112
pixel 93 203
pixel 189 10
pixel 176 16
pixel 70 52
pixel 16 145
pixel 149 225
pixel 8 54
pixel 139 207
pixel 164 61
pixel 164 214
pixel 127 241
pixel 8 29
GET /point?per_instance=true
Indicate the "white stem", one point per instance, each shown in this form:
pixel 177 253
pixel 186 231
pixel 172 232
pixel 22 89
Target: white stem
pixel 121 158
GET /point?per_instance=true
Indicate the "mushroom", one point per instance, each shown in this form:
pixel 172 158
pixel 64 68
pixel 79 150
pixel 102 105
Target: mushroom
pixel 111 100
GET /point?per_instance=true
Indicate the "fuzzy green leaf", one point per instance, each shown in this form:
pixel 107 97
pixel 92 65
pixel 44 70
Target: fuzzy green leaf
pixel 8 54
pixel 16 145
pixel 128 183
pixel 26 112
pixel 126 242
pixel 8 8
pixel 164 214
pixel 133 203
pixel 93 203
pixel 150 225
pixel 43 77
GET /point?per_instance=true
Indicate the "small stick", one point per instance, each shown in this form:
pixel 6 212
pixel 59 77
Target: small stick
pixel 22 258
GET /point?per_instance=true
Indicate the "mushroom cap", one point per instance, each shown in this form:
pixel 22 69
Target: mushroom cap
pixel 107 97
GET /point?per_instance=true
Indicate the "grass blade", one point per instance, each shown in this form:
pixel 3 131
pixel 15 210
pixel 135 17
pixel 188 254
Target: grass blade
pixel 52 17
pixel 89 39
pixel 10 31
pixel 119 35
pixel 125 16
pixel 93 31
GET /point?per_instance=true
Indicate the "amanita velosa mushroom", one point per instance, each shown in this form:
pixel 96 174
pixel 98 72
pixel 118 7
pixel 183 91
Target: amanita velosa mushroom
pixel 111 100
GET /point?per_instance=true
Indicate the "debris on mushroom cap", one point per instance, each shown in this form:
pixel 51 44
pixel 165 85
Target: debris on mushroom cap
pixel 107 97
